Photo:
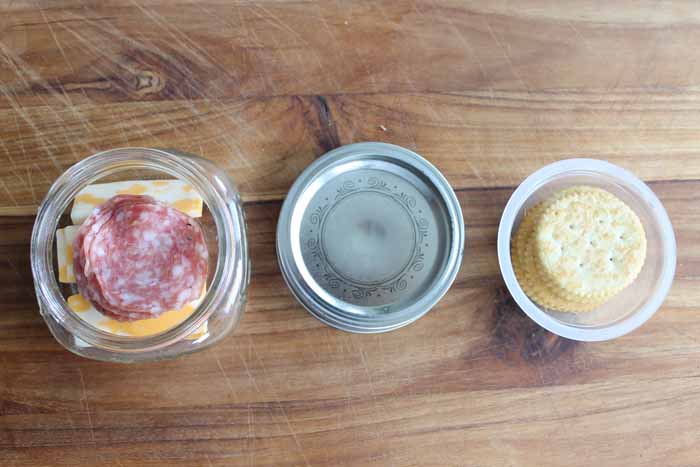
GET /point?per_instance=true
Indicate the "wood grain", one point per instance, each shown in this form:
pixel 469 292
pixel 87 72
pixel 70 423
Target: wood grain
pixel 475 379
pixel 489 92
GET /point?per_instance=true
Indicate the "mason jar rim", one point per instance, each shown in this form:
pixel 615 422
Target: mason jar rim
pixel 231 253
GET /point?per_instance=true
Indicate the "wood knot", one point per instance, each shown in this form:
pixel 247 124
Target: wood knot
pixel 148 82
pixel 516 337
pixel 326 131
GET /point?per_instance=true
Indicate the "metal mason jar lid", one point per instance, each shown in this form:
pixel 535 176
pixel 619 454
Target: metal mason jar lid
pixel 370 237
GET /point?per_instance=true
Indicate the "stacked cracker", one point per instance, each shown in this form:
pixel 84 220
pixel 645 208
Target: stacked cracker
pixel 578 249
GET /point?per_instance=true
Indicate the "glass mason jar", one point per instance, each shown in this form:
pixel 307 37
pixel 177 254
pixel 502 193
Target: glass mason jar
pixel 223 225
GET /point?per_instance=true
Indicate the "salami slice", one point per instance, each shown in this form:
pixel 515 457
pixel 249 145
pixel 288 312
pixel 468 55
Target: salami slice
pixel 101 216
pixel 135 258
pixel 121 316
pixel 86 234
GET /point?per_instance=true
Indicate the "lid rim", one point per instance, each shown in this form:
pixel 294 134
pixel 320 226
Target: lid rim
pixel 331 314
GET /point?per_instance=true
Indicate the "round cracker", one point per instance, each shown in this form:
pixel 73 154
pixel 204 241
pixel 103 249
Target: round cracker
pixel 589 245
pixel 524 266
pixel 541 292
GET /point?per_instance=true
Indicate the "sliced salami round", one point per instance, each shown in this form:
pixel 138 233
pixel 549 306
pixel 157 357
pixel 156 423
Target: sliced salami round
pixel 135 258
pixel 87 285
pixel 101 216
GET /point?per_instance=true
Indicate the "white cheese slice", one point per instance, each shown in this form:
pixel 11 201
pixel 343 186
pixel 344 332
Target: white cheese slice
pixel 64 253
pixel 175 193
pixel 139 328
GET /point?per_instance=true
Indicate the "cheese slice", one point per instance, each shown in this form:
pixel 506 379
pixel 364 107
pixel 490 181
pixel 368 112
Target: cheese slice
pixel 64 253
pixel 61 256
pixel 139 328
pixel 175 193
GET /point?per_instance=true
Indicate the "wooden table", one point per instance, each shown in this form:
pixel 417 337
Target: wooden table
pixel 489 92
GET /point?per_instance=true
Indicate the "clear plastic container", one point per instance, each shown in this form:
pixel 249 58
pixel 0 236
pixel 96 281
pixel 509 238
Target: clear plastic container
pixel 632 306
pixel 223 225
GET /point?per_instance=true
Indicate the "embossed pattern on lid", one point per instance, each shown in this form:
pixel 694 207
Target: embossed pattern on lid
pixel 370 237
